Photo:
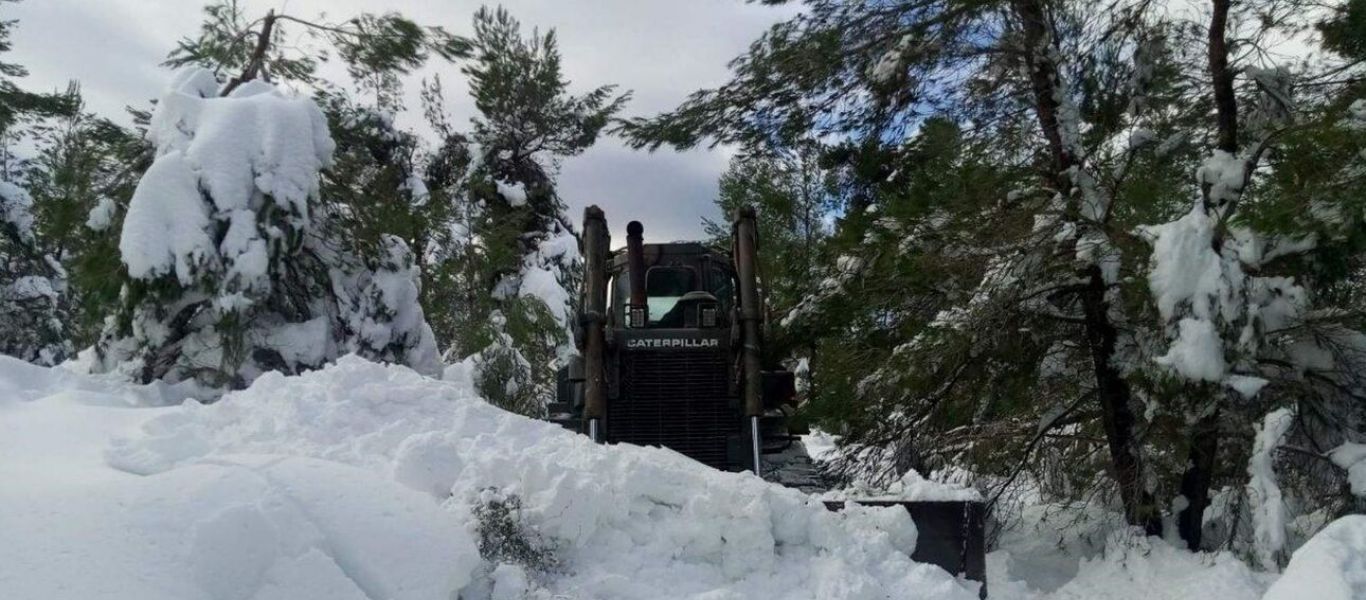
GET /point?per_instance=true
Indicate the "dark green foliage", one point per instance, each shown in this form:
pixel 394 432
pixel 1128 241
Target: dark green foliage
pixel 86 163
pixel 983 298
pixel 817 74
pixel 17 104
pixel 527 123
pixel 226 40
pixel 1345 31
pixel 376 179
pixel 33 286
pixel 505 539
pixel 376 49
pixel 521 94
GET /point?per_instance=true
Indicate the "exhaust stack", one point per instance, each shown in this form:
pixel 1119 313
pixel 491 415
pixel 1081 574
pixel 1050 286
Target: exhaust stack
pixel 596 242
pixel 745 240
pixel 638 311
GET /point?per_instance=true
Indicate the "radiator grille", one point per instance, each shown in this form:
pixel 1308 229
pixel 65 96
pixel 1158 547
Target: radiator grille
pixel 677 399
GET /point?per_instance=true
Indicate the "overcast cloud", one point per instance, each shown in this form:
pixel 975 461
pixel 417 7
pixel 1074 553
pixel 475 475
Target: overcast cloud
pixel 661 50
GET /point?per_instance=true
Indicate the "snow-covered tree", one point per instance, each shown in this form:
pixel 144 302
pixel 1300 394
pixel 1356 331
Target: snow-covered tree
pixel 83 175
pixel 32 280
pixel 513 220
pixel 1252 279
pixel 1000 165
pixel 237 260
pixel 233 267
pixel 992 158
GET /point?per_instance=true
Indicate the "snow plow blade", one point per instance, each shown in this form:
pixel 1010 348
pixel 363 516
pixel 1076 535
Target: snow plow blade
pixel 950 534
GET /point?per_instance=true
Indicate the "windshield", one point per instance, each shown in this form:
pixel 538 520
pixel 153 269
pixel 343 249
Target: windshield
pixel 664 287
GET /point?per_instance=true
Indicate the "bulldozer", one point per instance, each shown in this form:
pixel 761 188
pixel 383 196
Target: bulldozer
pixel 670 340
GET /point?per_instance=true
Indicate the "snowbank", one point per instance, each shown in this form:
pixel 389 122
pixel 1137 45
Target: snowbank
pixel 1061 552
pixel 1330 566
pixel 1151 569
pixel 912 486
pixel 361 481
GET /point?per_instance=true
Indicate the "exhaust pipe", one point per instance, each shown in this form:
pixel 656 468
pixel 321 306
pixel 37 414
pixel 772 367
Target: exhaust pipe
pixel 596 242
pixel 638 311
pixel 745 236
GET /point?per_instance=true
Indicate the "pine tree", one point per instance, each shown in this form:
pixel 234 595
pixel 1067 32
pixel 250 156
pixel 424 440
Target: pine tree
pixel 513 220
pixel 1260 329
pixel 85 172
pixel 793 196
pixel 1003 258
pixel 237 263
pixel 998 165
pixel 32 280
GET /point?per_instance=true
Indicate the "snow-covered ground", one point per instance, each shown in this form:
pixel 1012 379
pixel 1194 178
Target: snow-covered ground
pixel 368 482
pixel 362 481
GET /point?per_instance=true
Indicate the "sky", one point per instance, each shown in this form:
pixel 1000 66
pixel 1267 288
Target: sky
pixel 660 50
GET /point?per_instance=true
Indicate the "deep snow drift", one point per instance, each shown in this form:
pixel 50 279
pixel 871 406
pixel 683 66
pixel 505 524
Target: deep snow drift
pixel 365 481
pixel 361 481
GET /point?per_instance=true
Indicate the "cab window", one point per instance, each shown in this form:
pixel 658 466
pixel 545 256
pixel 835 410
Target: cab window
pixel 721 285
pixel 664 287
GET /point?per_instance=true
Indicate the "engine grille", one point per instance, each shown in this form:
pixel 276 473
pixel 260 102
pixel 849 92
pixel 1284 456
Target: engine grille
pixel 677 399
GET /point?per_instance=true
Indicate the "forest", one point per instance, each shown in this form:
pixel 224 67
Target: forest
pixel 1100 261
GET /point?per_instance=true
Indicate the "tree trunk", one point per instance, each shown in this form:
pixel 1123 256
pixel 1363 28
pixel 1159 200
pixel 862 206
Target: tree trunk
pixel 1112 390
pixel 1225 105
pixel 258 55
pixel 1113 394
pixel 1195 482
pixel 1204 435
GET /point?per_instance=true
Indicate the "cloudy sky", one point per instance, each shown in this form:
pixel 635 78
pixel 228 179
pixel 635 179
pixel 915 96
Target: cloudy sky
pixel 659 49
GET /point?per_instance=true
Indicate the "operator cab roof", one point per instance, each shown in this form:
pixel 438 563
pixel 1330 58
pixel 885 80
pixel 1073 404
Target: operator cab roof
pixel 686 251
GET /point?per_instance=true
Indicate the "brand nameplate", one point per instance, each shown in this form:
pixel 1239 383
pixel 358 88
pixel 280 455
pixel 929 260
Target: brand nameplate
pixel 673 343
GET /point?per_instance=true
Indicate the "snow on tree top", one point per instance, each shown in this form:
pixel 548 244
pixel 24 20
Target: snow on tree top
pixel 241 152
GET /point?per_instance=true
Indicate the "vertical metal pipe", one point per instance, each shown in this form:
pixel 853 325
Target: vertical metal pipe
pixel 754 443
pixel 638 310
pixel 745 243
pixel 596 241
pixel 750 311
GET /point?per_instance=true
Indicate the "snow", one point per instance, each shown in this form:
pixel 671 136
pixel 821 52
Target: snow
pixel 102 215
pixel 911 486
pixel 892 62
pixel 1197 353
pixel 1185 269
pixel 543 276
pixel 1330 566
pixel 1263 491
pixel 1225 175
pixel 1208 296
pixel 361 481
pixel 820 446
pixel 1351 457
pixel 1246 385
pixel 1066 552
pixel 16 208
pixel 1150 569
pixel 165 230
pixel 514 193
pixel 29 287
pixel 218 159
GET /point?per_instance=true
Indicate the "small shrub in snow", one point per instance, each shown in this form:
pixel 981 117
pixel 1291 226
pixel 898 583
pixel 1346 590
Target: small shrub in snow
pixel 505 539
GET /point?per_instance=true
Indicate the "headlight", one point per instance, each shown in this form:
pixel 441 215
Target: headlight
pixel 709 316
